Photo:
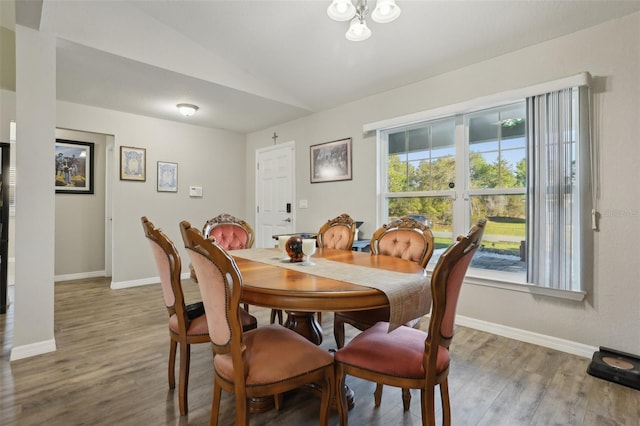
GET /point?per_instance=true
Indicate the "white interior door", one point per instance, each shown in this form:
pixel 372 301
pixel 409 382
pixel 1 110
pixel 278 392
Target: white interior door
pixel 275 191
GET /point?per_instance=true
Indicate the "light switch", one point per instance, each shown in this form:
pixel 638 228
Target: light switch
pixel 195 191
pixel 303 204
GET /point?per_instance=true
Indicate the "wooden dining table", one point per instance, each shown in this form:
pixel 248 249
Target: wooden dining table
pixel 340 280
pixel 302 290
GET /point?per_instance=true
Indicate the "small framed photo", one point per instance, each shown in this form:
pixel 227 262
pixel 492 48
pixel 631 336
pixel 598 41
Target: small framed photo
pixel 133 163
pixel 331 161
pixel 167 177
pixel 74 167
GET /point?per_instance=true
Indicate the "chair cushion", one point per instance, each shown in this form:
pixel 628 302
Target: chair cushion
pixel 337 237
pixel 197 326
pixel 405 244
pixel 274 353
pixel 230 237
pixel 397 354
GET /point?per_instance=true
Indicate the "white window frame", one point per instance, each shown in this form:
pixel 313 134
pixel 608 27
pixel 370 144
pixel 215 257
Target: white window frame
pixel 488 278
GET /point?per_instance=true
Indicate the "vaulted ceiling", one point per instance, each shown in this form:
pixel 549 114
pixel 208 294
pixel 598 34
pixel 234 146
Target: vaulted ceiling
pixel 250 65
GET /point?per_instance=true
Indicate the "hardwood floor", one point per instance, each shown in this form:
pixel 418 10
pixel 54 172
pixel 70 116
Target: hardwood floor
pixel 111 368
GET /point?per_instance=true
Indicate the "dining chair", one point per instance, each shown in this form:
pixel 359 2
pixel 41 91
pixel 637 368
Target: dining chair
pixel 269 360
pixel 187 323
pixel 405 238
pixel 409 357
pixel 337 233
pixel 233 233
pixel 229 231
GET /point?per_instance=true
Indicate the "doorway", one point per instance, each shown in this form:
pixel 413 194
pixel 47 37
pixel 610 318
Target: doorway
pixel 275 189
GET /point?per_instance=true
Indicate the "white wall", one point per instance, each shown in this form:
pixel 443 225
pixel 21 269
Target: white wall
pixel 213 159
pixel 610 315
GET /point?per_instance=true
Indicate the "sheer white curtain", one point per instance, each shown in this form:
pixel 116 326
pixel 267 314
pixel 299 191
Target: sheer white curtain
pixel 555 193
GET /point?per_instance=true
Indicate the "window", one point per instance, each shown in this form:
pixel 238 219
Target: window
pixel 489 163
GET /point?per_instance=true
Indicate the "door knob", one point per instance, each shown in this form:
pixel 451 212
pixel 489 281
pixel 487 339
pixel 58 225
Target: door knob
pixel 287 219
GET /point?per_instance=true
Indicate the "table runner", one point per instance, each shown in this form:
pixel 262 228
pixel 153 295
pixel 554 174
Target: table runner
pixel 409 295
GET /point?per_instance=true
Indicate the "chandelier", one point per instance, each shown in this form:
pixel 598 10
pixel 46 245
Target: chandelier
pixel 344 10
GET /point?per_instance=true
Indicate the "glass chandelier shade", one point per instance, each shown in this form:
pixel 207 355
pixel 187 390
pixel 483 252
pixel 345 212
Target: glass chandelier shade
pixel 345 10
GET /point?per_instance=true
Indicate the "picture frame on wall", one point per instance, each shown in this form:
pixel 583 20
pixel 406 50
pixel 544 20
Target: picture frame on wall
pixel 331 161
pixel 133 163
pixel 74 167
pixel 167 177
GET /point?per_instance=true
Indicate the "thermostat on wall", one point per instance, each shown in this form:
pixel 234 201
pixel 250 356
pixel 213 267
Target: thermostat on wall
pixel 195 191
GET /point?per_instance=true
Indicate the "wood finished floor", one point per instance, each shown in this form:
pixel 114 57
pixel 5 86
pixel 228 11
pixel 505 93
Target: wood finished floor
pixel 111 362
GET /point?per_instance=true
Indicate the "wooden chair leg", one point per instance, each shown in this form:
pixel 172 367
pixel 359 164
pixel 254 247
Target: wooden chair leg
pixel 406 399
pixel 338 331
pixel 427 407
pixel 377 395
pixel 172 363
pixel 340 395
pixel 278 401
pixel 274 313
pixel 446 405
pixel 320 317
pixel 215 405
pixel 242 409
pixel 327 395
pixel 183 380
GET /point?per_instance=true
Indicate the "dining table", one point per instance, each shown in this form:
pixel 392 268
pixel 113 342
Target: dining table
pixel 337 280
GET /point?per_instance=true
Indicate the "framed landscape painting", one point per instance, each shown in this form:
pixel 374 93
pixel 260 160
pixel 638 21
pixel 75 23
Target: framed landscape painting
pixel 331 161
pixel 74 167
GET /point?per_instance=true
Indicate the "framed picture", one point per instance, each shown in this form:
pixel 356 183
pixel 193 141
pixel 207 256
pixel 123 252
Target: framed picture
pixel 331 161
pixel 74 167
pixel 133 163
pixel 167 177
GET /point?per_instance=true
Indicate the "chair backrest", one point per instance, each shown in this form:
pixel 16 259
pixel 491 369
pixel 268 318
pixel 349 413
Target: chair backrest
pixel 169 267
pixel 405 238
pixel 338 233
pixel 220 285
pixel 229 231
pixel 446 283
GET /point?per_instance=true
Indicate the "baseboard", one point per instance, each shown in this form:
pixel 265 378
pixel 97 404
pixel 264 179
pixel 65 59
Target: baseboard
pixel 143 281
pixel 551 342
pixel 79 276
pixel 32 349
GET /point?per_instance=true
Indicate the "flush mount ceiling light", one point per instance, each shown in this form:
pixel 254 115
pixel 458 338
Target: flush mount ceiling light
pixel 187 109
pixel 344 10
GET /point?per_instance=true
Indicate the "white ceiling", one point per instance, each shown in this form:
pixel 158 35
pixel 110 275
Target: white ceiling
pixel 250 65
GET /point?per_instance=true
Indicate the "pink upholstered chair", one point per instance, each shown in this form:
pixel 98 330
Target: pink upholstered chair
pixel 233 234
pixel 411 358
pixel 405 238
pixel 229 231
pixel 187 324
pixel 338 233
pixel 269 360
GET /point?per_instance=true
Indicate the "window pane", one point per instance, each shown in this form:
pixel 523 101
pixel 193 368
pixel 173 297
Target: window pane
pixel 497 148
pixel 422 159
pixel 504 239
pixel 435 212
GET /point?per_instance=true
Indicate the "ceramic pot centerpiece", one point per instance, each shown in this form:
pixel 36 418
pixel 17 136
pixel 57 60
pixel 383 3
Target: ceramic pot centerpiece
pixel 294 249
